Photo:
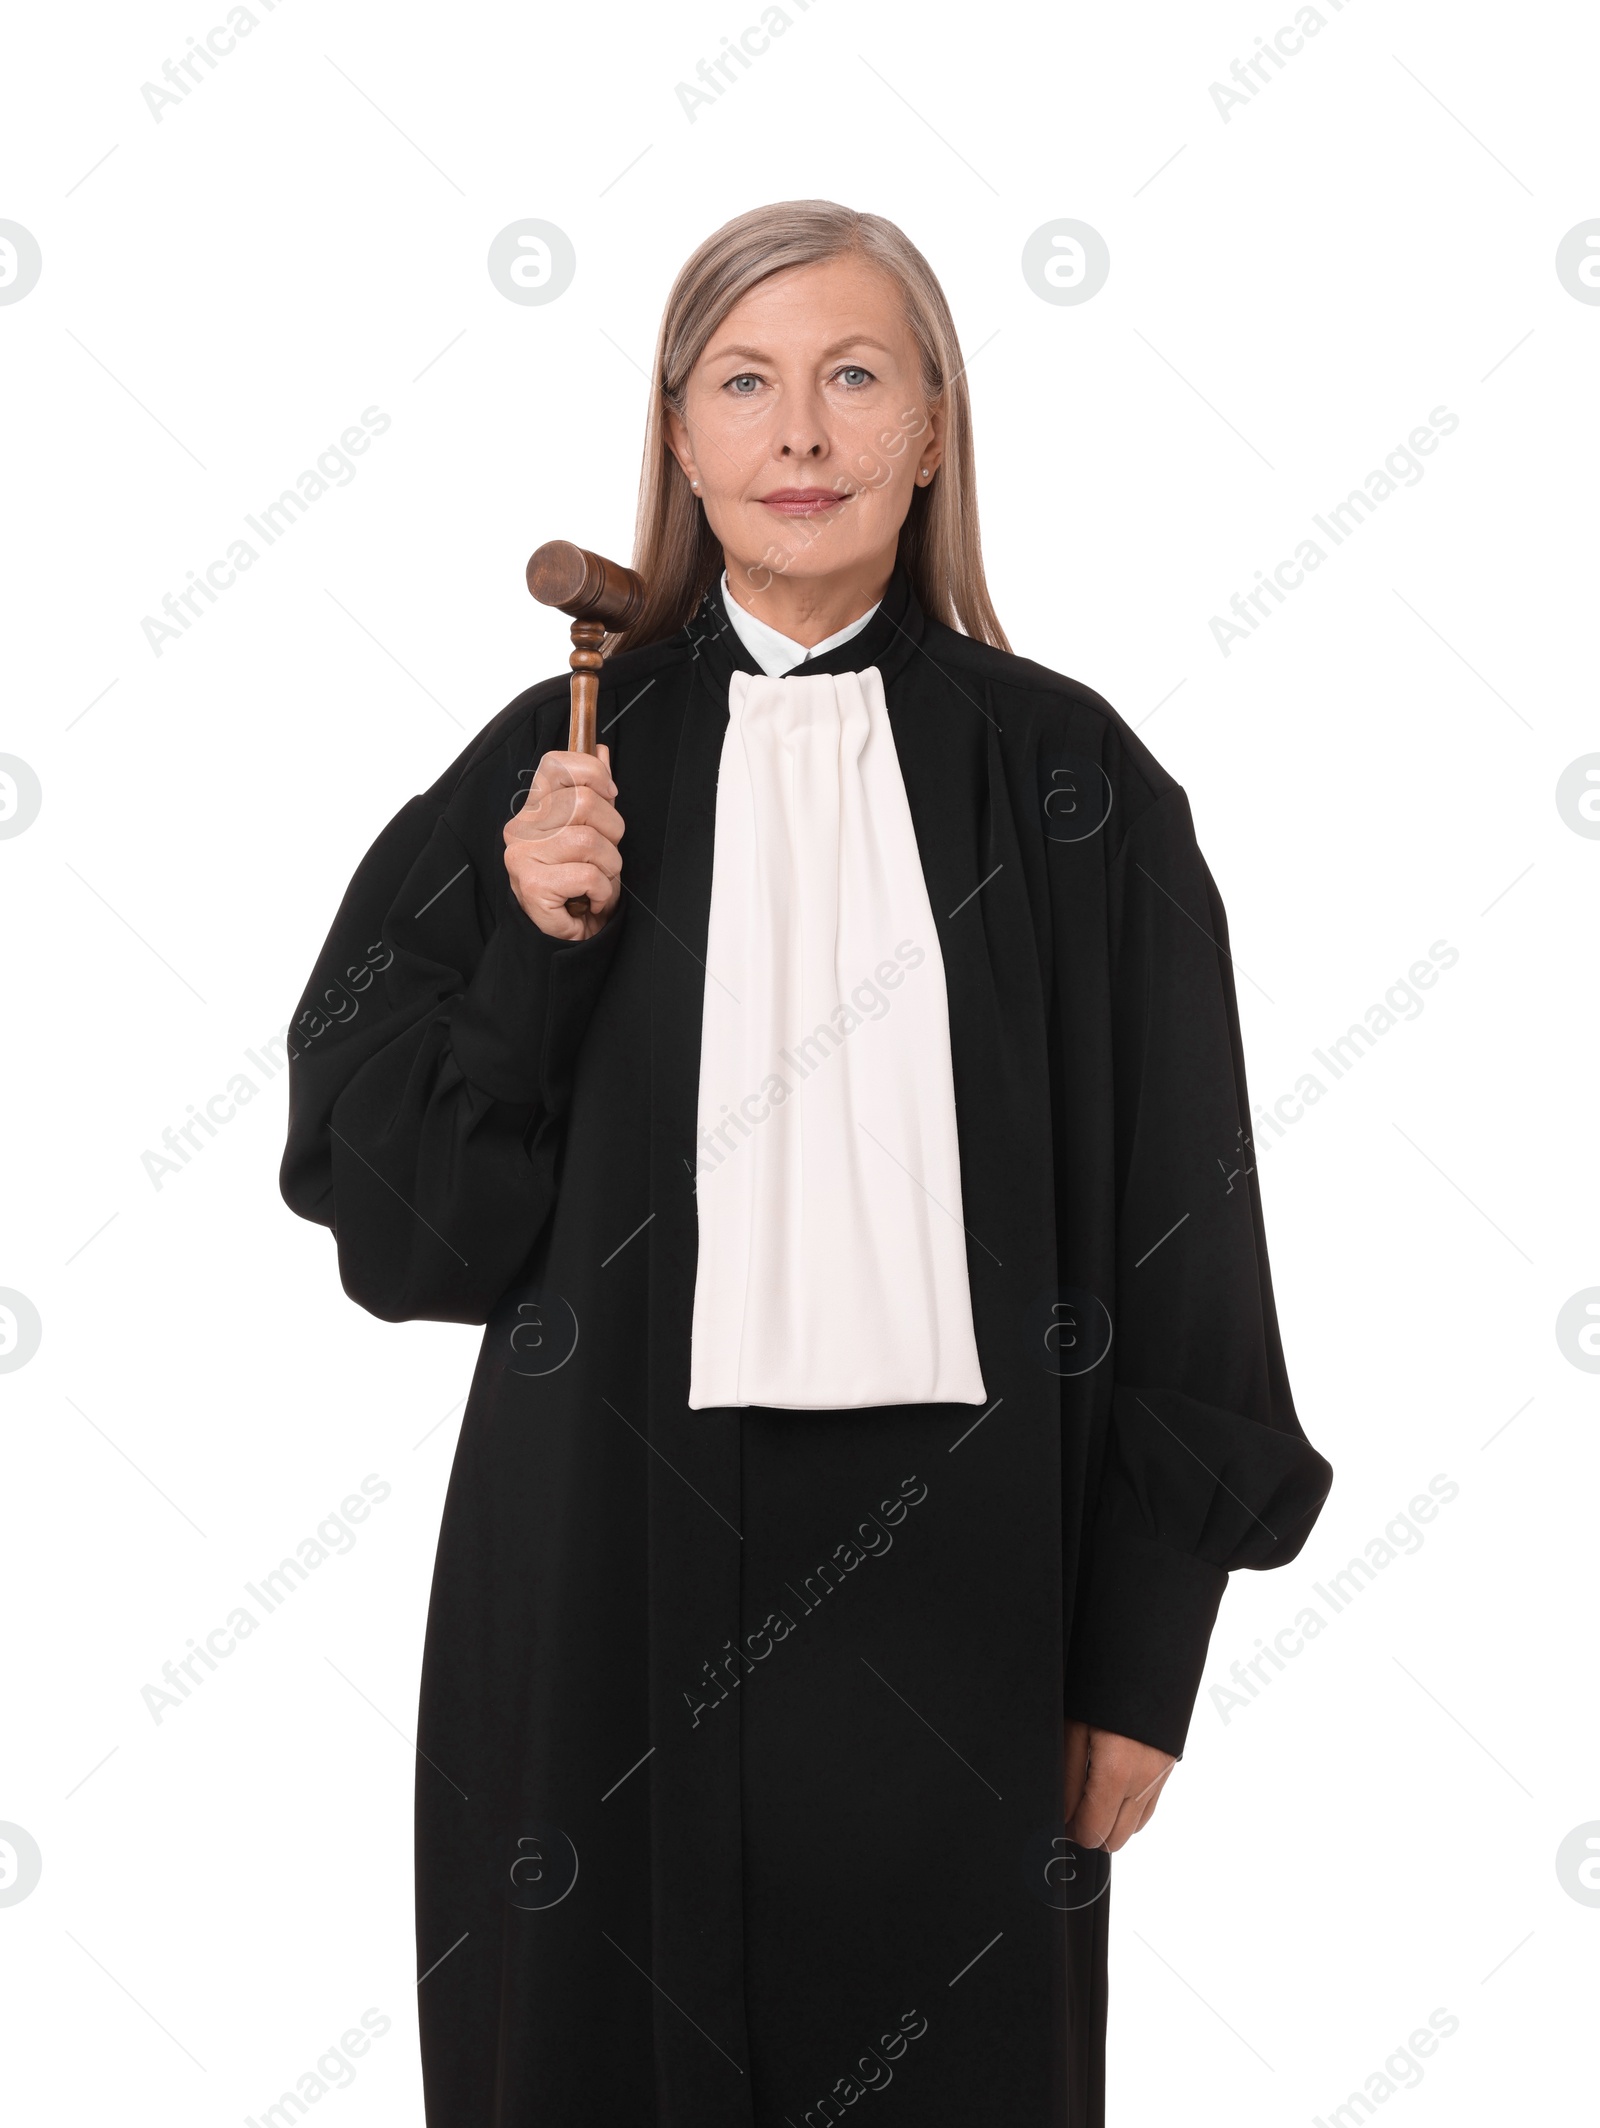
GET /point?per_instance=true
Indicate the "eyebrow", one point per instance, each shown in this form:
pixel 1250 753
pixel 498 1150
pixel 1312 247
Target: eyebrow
pixel 836 347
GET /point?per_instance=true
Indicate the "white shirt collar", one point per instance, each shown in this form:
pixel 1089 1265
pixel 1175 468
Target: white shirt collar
pixel 777 654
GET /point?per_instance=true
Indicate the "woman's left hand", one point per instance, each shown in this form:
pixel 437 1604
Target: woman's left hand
pixel 1112 1785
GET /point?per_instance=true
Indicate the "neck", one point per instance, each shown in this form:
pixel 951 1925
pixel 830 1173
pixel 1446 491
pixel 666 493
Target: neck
pixel 809 609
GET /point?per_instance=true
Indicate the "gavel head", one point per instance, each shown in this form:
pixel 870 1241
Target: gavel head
pixel 585 585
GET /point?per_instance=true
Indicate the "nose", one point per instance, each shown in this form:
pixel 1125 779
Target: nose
pixel 801 427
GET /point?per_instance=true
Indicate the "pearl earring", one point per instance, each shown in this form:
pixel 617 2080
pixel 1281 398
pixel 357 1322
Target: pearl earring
pixel 924 472
pixel 695 485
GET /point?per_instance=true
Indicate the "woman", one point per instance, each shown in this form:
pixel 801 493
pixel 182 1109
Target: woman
pixel 881 1375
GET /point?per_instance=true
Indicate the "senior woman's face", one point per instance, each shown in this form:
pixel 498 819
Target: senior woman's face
pixel 806 426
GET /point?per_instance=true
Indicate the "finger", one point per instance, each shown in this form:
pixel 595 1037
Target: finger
pixel 554 885
pixel 1146 1799
pixel 1125 1826
pixel 555 800
pixel 562 924
pixel 1075 1766
pixel 547 886
pixel 568 801
pixel 549 813
pixel 558 922
pixel 562 844
pixel 591 771
pixel 604 890
pixel 577 766
pixel 1098 1806
pixel 1147 1791
pixel 565 845
pixel 1140 1767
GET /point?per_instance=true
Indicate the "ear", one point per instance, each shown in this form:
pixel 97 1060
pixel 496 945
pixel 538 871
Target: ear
pixel 678 444
pixel 930 444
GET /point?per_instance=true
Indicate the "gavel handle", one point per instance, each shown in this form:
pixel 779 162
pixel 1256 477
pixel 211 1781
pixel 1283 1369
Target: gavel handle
pixel 600 594
pixel 585 661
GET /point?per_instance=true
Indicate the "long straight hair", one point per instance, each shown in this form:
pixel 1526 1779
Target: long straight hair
pixel 674 547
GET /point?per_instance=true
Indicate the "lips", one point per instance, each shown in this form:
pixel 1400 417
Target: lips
pixel 803 502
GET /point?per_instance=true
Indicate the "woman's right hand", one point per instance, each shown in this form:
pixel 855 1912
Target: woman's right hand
pixel 563 843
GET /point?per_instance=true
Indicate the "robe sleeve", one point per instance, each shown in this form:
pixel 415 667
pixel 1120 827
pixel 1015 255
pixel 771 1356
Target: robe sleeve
pixel 1206 1467
pixel 431 1066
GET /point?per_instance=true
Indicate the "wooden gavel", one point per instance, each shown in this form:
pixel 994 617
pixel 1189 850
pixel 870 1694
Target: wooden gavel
pixel 601 596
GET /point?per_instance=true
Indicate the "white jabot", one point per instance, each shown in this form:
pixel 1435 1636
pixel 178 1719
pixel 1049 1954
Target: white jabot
pixel 832 1269
pixel 777 654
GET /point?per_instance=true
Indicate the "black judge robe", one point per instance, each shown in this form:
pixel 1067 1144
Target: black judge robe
pixel 739 1794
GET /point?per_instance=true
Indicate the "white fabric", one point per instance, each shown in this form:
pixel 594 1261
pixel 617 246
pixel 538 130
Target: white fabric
pixel 777 654
pixel 833 1266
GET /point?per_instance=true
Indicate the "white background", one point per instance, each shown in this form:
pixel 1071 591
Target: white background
pixel 1292 290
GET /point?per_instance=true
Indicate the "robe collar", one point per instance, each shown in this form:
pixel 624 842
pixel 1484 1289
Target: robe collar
pixel 888 641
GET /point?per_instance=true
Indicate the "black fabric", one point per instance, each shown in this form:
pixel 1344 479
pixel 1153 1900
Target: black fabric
pixel 786 1688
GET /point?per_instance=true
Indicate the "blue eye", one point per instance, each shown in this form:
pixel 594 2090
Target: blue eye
pixel 852 372
pixel 745 377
